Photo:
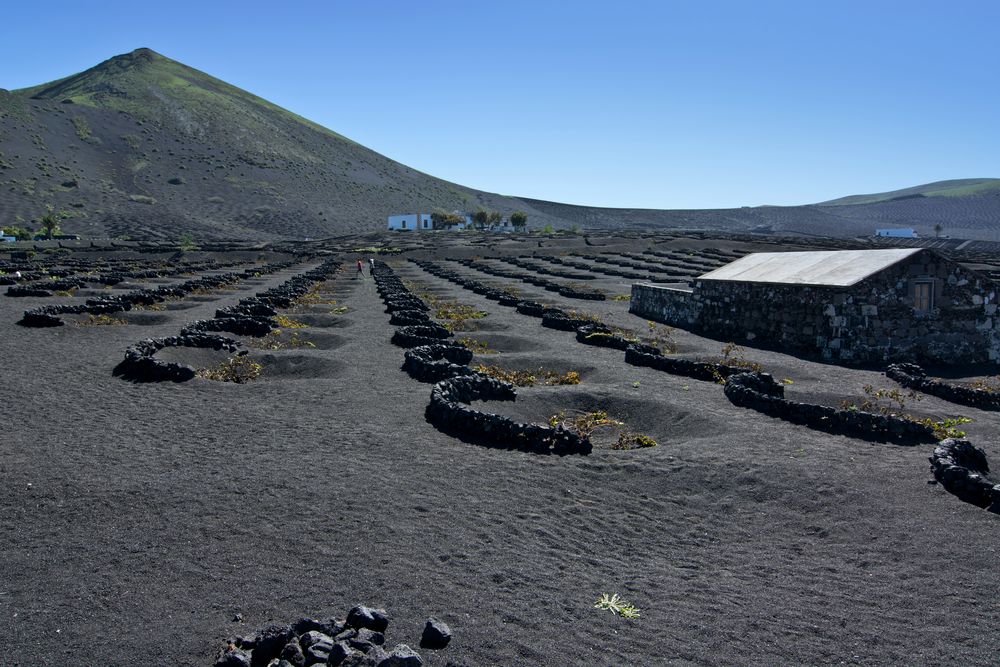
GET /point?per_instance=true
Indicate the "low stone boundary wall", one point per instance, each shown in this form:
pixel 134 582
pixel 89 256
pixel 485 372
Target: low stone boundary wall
pixel 141 365
pixel 417 335
pixel 433 359
pixel 913 376
pixel 698 370
pixel 962 469
pixel 761 392
pixel 433 363
pixel 449 412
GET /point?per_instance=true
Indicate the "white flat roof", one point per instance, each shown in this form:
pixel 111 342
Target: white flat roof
pixel 833 268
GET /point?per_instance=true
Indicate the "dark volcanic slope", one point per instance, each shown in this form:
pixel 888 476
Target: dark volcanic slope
pixel 143 146
pixel 146 147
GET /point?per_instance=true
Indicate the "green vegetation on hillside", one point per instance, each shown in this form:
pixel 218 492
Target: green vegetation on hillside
pixel 957 188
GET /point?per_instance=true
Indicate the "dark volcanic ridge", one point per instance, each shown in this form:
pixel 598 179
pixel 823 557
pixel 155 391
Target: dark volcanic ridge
pixel 144 147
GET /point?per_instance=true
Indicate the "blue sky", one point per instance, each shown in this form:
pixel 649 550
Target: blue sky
pixel 618 103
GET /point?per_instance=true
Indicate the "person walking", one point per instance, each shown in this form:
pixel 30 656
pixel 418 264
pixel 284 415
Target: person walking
pixel 361 271
pixel 371 266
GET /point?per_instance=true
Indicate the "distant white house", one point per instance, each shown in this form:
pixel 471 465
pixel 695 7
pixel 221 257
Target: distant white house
pixel 8 239
pixel 897 233
pixel 416 222
pixel 411 222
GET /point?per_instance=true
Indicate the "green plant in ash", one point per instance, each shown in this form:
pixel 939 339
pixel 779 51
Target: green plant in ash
pixel 313 297
pixel 278 340
pixel 520 378
pixel 100 321
pixel 477 346
pixel 586 423
pixel 239 370
pixel 892 403
pixel 584 315
pixel 630 440
pixel 187 244
pixel 622 297
pixel 734 357
pixel 661 337
pixel 457 316
pixel 286 322
pixel 617 605
pixel 989 385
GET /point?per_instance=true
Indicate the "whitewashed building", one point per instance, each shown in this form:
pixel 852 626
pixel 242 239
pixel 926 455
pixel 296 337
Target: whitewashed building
pixel 416 222
pixel 897 233
pixel 411 222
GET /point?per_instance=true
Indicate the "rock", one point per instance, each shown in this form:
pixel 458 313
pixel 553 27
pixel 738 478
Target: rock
pixel 339 653
pixel 365 639
pixel 319 652
pixel 402 656
pixel 235 658
pixel 366 617
pixel 436 634
pixel 293 653
pixel 269 643
pixel 304 625
pixel 311 637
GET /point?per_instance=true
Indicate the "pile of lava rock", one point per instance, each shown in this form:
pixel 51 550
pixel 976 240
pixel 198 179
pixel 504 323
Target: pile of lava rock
pixel 356 641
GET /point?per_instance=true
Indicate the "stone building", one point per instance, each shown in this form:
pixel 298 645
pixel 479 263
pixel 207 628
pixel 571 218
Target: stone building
pixel 844 305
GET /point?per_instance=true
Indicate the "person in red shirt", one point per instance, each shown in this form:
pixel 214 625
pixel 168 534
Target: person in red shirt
pixel 361 271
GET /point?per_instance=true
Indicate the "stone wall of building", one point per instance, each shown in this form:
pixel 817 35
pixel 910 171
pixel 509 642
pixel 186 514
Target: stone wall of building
pixel 873 321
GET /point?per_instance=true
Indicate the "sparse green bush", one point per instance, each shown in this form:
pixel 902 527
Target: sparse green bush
pixel 617 606
pixel 100 321
pixel 235 369
pixel 477 346
pixel 286 322
pixel 631 440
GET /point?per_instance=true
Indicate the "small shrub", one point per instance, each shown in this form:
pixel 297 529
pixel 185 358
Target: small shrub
pixel 277 341
pixel 733 355
pixel 583 315
pixel 991 385
pixel 286 322
pixel 570 377
pixel 100 321
pixel 631 440
pixel 457 316
pixel 477 346
pixel 187 243
pixel 892 403
pixel 528 378
pixel 661 337
pixel 65 292
pixel 945 428
pixel 235 369
pixel 622 297
pixel 313 297
pixel 586 423
pixel 516 378
pixel 618 606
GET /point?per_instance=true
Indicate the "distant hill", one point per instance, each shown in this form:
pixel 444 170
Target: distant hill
pixel 142 146
pixel 967 187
